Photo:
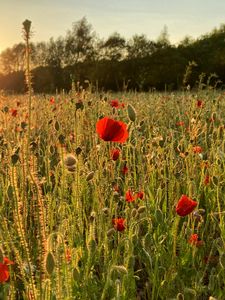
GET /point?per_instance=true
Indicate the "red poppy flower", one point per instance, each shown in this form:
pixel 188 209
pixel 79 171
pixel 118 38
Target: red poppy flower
pixel 197 149
pixel 68 255
pixel 185 206
pixel 115 153
pixel 122 105
pixel 4 269
pixel 125 170
pixel 206 180
pixel 118 224
pixel 199 103
pixel 52 100
pixel 14 112
pixel 180 123
pixel 116 188
pixel 129 196
pixel 115 103
pixel 194 240
pixel 110 130
pixel 140 195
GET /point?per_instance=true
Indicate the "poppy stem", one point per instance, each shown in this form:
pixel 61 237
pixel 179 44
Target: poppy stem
pixel 174 231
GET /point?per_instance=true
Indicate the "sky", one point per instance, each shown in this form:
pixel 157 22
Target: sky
pixel 52 18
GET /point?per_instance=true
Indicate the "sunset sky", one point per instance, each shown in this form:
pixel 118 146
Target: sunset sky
pixel 52 18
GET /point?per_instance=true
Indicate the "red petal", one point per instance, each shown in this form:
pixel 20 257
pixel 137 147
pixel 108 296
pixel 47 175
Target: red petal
pixel 7 261
pixel 4 273
pixel 111 130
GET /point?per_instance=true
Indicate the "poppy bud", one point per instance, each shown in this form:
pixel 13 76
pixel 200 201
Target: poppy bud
pixel 70 160
pixel 131 112
pixel 180 296
pixel 134 213
pixel 141 209
pixel 92 216
pixel 125 170
pixel 90 176
pixel 71 169
pixel 120 269
pixel 105 210
pixel 115 153
pixel 110 232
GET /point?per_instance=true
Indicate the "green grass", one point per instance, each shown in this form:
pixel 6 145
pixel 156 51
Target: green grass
pixel 56 225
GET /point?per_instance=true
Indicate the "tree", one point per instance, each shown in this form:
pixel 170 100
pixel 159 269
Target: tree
pixel 187 41
pixel 39 54
pixel 12 59
pixel 55 53
pixel 163 39
pixel 79 42
pixel 114 48
pixel 139 46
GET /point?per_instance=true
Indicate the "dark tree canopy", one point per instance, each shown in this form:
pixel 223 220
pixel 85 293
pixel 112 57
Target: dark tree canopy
pixel 112 62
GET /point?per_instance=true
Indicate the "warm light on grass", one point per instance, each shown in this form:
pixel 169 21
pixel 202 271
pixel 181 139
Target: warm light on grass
pixel 70 228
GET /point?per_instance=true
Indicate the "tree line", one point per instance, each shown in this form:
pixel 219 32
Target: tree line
pixel 115 63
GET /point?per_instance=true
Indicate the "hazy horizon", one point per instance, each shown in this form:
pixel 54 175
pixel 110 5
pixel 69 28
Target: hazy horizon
pixel 54 18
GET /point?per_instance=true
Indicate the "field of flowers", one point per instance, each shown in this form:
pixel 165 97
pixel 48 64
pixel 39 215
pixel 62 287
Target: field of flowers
pixel 113 196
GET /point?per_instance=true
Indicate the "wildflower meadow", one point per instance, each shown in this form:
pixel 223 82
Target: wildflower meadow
pixel 112 202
